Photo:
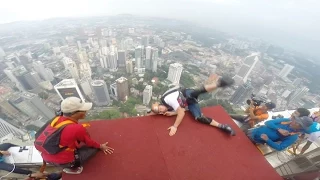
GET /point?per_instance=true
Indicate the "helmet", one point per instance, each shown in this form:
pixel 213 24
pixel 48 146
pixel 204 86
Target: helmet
pixel 270 105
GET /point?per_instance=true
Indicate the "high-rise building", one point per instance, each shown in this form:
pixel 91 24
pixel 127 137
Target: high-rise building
pixel 85 85
pixel 121 58
pixel 33 79
pixel 147 94
pixel 154 59
pixel 10 110
pixel 148 58
pixel 112 62
pixel 242 93
pixel 50 75
pixel 24 77
pixel 68 88
pixel 174 74
pixel 246 68
pixel 13 78
pixel 73 70
pixel 39 68
pixel 145 40
pixel 285 70
pixel 6 128
pixel 129 67
pixel 85 70
pixel 101 93
pixel 38 105
pixel 138 56
pixel 113 91
pixel 298 94
pixel 122 89
pixel 104 62
pixel 79 45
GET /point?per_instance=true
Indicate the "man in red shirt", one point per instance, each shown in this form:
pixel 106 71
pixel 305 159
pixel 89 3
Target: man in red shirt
pixel 72 158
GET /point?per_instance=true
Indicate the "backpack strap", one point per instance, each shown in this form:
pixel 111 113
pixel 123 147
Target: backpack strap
pixel 59 125
pixel 167 93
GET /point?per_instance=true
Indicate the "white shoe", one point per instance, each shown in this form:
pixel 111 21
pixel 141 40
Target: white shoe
pixel 77 170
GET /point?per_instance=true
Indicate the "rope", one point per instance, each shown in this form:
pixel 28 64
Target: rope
pixel 14 167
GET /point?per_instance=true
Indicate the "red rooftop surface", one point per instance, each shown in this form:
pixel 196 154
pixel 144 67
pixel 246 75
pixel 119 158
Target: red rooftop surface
pixel 145 151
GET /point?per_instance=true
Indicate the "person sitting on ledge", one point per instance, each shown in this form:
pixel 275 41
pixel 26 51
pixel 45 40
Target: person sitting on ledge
pixel 283 132
pixel 69 134
pixel 174 102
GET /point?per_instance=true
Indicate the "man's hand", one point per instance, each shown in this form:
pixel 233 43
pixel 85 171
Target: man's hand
pixel 173 130
pixel 6 153
pixel 168 113
pixel 106 149
pixel 264 137
pixel 283 132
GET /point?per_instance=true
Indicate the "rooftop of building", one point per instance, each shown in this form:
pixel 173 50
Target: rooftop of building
pixel 144 150
pixel 66 82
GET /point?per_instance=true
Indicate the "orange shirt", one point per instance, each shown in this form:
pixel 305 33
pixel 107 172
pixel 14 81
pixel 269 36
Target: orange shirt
pixel 258 112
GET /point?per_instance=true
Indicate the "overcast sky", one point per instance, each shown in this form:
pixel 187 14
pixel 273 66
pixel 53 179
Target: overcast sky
pixel 291 22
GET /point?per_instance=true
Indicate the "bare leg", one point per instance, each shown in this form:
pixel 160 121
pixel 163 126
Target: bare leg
pixel 214 123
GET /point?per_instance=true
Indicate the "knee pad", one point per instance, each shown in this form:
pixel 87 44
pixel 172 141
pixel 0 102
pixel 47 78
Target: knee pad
pixel 204 120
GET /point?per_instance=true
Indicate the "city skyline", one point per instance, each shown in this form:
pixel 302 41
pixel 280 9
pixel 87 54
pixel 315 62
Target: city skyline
pixel 288 25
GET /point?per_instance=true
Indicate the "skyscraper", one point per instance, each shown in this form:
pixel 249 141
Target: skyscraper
pixel 246 68
pixel 122 88
pixel 13 78
pixel 154 59
pixel 73 70
pixel 145 40
pixel 6 128
pixel 174 74
pixel 148 58
pixel 24 77
pixel 85 85
pixel 85 70
pixel 129 67
pixel 68 88
pixel 38 105
pixel 121 58
pixel 104 62
pixel 101 93
pixel 298 94
pixel 10 110
pixel 242 93
pixel 147 94
pixel 138 57
pixel 112 62
pixel 285 70
pixel 79 45
pixel 39 68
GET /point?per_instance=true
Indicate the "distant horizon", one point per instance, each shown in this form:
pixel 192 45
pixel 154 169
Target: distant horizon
pixel 161 17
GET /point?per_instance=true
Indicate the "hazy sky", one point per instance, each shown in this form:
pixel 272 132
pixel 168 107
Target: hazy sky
pixel 292 22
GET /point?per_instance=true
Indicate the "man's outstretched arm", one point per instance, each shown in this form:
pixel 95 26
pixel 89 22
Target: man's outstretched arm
pixel 180 114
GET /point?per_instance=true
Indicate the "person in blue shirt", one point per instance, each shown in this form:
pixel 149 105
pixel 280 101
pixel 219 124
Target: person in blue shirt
pixel 10 167
pixel 282 133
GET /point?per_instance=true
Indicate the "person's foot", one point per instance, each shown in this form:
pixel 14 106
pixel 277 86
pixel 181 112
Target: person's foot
pixel 76 170
pixel 225 81
pixel 228 129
